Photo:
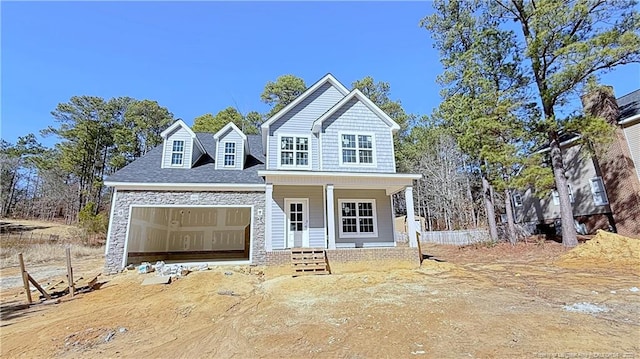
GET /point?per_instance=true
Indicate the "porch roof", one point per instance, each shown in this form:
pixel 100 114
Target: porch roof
pixel 391 182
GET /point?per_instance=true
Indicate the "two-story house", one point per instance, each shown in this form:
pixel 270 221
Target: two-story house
pixel 604 188
pixel 321 174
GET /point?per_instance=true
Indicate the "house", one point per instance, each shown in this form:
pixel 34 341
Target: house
pixel 604 188
pixel 321 174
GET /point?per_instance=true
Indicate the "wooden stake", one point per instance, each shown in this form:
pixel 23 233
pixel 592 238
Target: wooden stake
pixel 35 284
pixel 25 278
pixel 69 271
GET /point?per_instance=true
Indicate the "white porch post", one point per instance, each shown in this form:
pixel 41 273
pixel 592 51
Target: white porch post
pixel 411 217
pixel 268 198
pixel 331 222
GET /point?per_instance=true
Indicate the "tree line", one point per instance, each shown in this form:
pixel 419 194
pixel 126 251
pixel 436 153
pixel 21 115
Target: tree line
pixel 511 68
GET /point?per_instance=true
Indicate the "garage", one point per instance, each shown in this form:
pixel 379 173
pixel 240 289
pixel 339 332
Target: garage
pixel 189 234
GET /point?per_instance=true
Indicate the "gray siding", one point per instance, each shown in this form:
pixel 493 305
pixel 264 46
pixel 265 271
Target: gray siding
pixel 355 117
pixel 197 153
pixel 230 136
pixel 383 213
pixel 299 120
pixel 316 214
pixel 579 169
pixel 632 133
pixel 183 135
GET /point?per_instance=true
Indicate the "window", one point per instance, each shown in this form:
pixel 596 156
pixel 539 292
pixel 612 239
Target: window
pixel 294 151
pixel 598 192
pixel 229 154
pixel 356 148
pixel 556 196
pixel 358 218
pixel 177 153
pixel 517 200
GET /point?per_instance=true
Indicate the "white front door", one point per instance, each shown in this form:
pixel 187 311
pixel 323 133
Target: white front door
pixel 297 222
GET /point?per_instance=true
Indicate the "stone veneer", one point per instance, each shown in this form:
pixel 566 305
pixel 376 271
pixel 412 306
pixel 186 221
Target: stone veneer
pixel 124 199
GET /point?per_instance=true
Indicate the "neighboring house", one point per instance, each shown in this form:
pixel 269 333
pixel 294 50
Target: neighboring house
pixel 321 174
pixel 604 189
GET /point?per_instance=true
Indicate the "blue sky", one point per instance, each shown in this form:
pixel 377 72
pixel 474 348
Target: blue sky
pixel 200 57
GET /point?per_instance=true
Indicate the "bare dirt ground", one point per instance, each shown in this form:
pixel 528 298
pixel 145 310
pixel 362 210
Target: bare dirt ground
pixel 536 301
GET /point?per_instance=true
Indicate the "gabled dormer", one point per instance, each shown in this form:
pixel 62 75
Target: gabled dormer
pixel 181 148
pixel 232 148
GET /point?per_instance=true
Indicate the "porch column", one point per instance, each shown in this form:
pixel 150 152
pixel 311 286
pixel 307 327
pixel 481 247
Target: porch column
pixel 268 198
pixel 411 217
pixel 331 222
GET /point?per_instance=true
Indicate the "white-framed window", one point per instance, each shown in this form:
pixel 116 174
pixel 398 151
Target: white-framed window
pixel 598 191
pixel 358 218
pixel 556 196
pixel 229 154
pixel 517 199
pixel 294 151
pixel 177 152
pixel 357 148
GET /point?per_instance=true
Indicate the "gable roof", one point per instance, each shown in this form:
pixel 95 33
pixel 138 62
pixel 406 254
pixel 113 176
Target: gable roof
pixel 180 123
pixel 232 126
pixel 629 106
pixel 147 169
pixel 357 94
pixel 328 78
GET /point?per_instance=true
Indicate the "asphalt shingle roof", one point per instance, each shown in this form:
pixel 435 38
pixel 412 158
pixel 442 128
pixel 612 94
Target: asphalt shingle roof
pixel 629 105
pixel 147 169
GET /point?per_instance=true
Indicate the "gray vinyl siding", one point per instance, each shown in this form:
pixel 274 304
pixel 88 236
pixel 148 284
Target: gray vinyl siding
pixel 384 214
pixel 580 169
pixel 299 121
pixel 197 153
pixel 316 214
pixel 230 136
pixel 355 117
pixel 180 134
pixel 632 133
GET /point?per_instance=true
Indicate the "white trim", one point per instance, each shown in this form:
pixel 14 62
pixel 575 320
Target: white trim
pixel 125 254
pixel 341 174
pixel 111 215
pixel 180 123
pixel 305 225
pixel 327 78
pixel 411 217
pixel 357 149
pixel 317 124
pixel 393 220
pixel 393 150
pixel 320 150
pixel 594 192
pixel 268 230
pixel 224 154
pixel 373 234
pixel 519 203
pixel 629 119
pixel 562 144
pixel 228 126
pixel 238 187
pixel 294 166
pixel 173 151
pixel 330 217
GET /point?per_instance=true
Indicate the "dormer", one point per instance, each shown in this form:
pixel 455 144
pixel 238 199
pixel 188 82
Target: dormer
pixel 232 148
pixel 181 147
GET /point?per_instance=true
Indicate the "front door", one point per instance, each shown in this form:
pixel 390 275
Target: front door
pixel 297 222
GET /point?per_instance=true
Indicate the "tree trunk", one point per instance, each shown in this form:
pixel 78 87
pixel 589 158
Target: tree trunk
pixel 488 203
pixel 511 225
pixel 569 238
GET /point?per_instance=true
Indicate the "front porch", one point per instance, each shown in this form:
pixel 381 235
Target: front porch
pixel 333 210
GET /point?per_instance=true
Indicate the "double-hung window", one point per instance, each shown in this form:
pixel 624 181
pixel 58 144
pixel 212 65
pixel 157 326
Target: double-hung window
pixel 356 149
pixel 358 218
pixel 517 199
pixel 598 192
pixel 229 154
pixel 294 151
pixel 556 196
pixel 177 152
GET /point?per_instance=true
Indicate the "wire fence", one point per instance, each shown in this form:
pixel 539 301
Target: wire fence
pixel 26 238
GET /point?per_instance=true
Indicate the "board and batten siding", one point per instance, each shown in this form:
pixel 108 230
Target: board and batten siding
pixel 299 121
pixel 180 134
pixel 632 134
pixel 317 231
pixel 230 136
pixel 354 117
pixel 384 215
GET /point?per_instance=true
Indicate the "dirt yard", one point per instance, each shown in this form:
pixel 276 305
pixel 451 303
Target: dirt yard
pixel 531 300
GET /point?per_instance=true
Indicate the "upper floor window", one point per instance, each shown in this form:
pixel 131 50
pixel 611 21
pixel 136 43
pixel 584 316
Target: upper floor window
pixel 230 154
pixel 356 149
pixel 177 153
pixel 294 151
pixel 556 196
pixel 517 199
pixel 598 192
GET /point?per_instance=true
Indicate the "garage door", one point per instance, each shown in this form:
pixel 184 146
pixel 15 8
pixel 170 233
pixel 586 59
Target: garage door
pixel 188 234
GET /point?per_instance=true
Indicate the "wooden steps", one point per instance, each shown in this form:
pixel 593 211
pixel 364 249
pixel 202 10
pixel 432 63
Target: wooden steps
pixel 308 261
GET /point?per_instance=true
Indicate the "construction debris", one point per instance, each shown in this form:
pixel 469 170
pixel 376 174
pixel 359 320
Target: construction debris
pixel 157 280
